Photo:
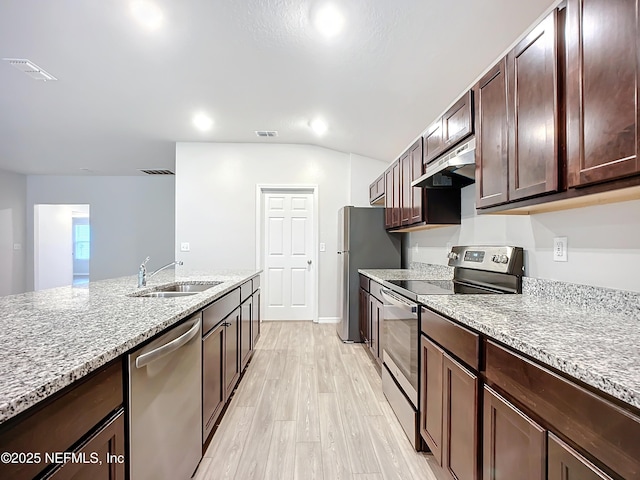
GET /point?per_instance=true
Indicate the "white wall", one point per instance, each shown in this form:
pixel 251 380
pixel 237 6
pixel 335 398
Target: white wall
pixel 363 172
pixel 131 217
pixel 13 197
pixel 603 241
pixel 216 201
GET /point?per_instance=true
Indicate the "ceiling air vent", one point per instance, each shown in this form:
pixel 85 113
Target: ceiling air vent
pixel 266 133
pixel 158 172
pixel 30 68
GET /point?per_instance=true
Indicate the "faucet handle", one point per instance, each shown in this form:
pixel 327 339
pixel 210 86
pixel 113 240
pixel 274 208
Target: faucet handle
pixel 144 264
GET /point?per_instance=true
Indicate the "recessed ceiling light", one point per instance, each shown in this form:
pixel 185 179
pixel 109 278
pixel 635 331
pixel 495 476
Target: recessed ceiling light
pixel 329 20
pixel 202 122
pixel 319 126
pixel 147 13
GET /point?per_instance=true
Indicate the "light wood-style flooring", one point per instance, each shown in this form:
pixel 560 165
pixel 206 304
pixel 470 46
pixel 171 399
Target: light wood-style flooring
pixel 310 407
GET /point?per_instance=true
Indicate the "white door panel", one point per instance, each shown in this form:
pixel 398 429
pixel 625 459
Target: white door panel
pixel 289 248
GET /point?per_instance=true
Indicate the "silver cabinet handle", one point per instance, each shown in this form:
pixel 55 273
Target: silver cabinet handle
pixel 167 348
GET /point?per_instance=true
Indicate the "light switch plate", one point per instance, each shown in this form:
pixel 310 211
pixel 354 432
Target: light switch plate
pixel 560 249
pixel 184 247
pixel 323 247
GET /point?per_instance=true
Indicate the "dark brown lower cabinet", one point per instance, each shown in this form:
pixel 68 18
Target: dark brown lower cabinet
pixel 232 359
pixel 460 422
pixel 432 358
pixel 363 315
pixel 564 463
pixel 255 318
pixel 514 446
pixel 103 455
pixel 246 310
pixel 213 384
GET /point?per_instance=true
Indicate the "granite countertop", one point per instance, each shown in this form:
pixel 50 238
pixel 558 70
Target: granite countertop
pixel 435 273
pixel 599 347
pixel 51 338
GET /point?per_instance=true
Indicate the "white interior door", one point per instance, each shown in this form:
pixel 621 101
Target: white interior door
pixel 288 256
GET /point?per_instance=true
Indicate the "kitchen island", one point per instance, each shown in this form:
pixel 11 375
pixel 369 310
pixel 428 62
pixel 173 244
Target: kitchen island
pixel 51 338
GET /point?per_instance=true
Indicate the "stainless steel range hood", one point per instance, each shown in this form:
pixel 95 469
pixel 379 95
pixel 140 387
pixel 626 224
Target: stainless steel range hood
pixel 454 170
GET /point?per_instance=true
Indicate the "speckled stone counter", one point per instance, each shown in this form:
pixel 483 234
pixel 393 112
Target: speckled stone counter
pixel 590 333
pixel 51 338
pixel 438 272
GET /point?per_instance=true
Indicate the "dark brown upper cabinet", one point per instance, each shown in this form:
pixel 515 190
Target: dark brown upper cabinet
pixel 433 143
pixel 388 198
pixel 490 96
pixel 411 162
pixel 602 82
pixel 457 122
pixel 392 202
pixel 450 129
pixel 376 191
pixel 535 126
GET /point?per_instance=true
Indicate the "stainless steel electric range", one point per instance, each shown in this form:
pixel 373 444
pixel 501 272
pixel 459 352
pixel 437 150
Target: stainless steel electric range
pixel 478 270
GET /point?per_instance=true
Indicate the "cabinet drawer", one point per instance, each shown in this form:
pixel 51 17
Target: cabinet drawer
pixel 246 289
pixel 601 428
pixel 364 283
pixel 374 289
pixel 454 338
pixel 218 310
pixel 61 421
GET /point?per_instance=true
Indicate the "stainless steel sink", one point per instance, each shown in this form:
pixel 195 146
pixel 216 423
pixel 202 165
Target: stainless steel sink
pixel 189 288
pixel 167 294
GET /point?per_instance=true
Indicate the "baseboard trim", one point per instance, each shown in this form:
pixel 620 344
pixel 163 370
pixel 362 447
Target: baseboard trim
pixel 328 319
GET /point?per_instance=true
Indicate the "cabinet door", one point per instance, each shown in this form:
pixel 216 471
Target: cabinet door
pixel 405 188
pixel 490 96
pixel 564 463
pixel 397 199
pixel 232 352
pixel 255 319
pixel 433 144
pixel 514 446
pixel 416 194
pixel 431 396
pixel 363 316
pixel 245 332
pixel 380 320
pixel 388 198
pixel 213 384
pixel 533 112
pixel 373 191
pixel 460 423
pixel 457 121
pixel 108 442
pixel 602 101
pixel 374 324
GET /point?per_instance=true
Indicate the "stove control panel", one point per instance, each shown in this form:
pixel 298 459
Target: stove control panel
pixel 502 259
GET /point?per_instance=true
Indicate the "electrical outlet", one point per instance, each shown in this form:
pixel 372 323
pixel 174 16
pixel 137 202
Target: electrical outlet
pixel 323 247
pixel 185 247
pixel 560 249
pixel 17 246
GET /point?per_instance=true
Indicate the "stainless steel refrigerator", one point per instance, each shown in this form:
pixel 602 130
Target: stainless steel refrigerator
pixel 362 243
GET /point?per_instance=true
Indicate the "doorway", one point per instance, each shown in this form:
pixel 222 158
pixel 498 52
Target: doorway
pixel 286 251
pixel 62 245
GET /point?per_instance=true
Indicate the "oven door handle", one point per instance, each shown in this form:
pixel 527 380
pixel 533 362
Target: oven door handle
pixel 388 297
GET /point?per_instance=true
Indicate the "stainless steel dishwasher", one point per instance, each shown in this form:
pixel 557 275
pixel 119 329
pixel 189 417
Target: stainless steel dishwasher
pixel 165 404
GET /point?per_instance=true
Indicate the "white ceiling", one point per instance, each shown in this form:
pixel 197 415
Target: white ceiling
pixel 125 95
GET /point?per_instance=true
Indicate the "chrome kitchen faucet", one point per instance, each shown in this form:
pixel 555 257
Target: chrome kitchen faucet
pixel 142 271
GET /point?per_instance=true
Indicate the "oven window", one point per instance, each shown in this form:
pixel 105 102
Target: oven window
pixel 400 340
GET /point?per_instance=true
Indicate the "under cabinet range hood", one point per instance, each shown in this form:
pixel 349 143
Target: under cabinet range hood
pixel 456 169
